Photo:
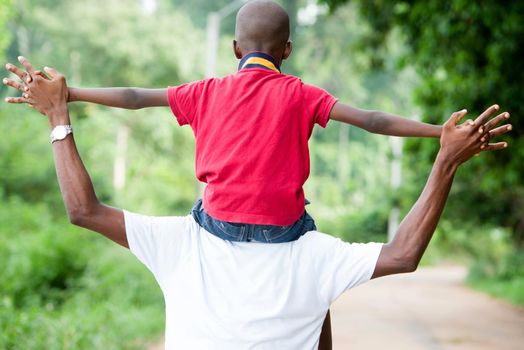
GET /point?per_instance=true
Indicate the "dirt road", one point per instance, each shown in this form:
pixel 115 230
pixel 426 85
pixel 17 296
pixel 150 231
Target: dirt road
pixel 429 309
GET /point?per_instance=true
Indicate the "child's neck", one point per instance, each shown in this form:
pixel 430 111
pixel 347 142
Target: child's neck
pixel 259 59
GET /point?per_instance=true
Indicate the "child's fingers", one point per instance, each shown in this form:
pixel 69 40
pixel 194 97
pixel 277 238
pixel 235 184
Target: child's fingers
pixel 16 71
pixel 15 84
pixel 16 100
pixel 495 146
pixel 27 65
pixel 455 118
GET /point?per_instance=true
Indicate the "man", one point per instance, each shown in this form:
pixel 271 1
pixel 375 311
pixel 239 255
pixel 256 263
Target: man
pixel 237 295
pixel 254 189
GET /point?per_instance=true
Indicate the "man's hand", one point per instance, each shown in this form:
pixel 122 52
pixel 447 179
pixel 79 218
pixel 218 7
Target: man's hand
pixel 459 143
pixel 48 96
pixel 28 77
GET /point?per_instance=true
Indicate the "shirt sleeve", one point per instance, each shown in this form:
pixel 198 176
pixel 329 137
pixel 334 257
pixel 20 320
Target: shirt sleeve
pixel 318 103
pixel 184 101
pixel 346 265
pixel 158 242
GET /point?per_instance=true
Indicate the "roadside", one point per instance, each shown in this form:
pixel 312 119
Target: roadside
pixel 428 309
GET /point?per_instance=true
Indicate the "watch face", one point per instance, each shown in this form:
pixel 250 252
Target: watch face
pixel 60 133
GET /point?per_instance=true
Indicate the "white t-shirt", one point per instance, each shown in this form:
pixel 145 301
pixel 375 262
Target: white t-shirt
pixel 238 295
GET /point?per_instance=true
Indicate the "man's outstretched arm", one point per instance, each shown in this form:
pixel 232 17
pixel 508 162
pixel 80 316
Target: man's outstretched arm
pixel 458 144
pixel 49 97
pixel 121 97
pixel 82 205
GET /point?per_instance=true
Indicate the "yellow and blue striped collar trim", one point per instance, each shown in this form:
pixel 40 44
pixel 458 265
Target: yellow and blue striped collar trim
pixel 258 60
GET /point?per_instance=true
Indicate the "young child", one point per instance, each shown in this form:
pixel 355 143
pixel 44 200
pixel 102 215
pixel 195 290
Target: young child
pixel 252 129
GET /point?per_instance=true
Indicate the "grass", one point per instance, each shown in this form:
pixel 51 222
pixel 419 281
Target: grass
pixel 511 290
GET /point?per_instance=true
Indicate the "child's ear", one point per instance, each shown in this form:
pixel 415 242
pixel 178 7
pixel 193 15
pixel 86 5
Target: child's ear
pixel 236 50
pixel 287 50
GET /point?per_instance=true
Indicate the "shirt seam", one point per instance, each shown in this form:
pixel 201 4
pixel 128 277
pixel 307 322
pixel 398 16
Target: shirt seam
pixel 180 117
pixel 327 111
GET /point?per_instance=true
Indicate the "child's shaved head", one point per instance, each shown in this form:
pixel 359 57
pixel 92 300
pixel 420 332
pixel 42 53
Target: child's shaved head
pixel 262 25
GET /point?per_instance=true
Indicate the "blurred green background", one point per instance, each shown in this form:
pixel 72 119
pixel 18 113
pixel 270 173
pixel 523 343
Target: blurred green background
pixel 62 287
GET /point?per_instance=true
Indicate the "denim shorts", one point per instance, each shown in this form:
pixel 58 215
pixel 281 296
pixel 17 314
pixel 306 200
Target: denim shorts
pixel 251 232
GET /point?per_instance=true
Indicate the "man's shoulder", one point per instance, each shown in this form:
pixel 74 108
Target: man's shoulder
pixel 318 240
pixel 324 242
pixel 158 224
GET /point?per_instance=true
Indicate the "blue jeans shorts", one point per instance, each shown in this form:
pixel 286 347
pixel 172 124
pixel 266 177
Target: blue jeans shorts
pixel 251 232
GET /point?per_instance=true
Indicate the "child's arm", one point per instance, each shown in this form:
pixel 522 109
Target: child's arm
pixel 129 98
pixel 383 123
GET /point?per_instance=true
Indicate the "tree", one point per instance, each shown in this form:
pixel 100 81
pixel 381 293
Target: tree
pixel 468 55
pixel 5 13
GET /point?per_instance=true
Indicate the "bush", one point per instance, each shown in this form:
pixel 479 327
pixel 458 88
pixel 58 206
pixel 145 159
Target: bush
pixel 62 287
pixel 352 226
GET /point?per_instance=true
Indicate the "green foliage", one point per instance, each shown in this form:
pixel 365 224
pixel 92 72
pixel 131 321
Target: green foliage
pixel 106 43
pixel 468 54
pixel 66 288
pixel 357 225
pixel 5 14
pixel 53 290
pixel 509 289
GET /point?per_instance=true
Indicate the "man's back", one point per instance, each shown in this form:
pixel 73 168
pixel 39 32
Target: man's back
pixel 235 295
pixel 252 130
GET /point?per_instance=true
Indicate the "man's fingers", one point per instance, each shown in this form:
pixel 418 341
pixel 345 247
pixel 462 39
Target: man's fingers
pixel 455 118
pixel 459 115
pixel 500 130
pixel 495 146
pixel 485 115
pixel 493 122
pixel 14 84
pixel 42 74
pixel 27 65
pixel 16 100
pixel 15 70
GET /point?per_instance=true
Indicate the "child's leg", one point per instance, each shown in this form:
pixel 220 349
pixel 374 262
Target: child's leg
pixel 325 342
pixel 251 232
pixel 281 234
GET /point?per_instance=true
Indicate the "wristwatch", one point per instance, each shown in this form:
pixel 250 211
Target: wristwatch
pixel 60 132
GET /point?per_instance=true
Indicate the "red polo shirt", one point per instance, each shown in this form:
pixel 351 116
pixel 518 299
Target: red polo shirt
pixel 252 130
